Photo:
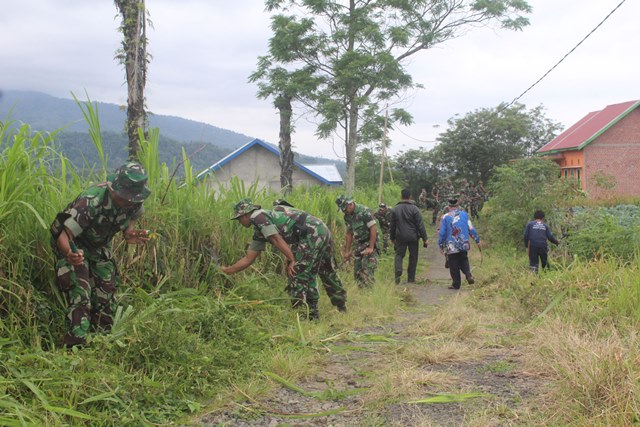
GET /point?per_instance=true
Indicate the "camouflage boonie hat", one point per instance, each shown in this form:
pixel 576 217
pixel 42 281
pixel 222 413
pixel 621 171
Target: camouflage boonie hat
pixel 343 201
pixel 129 181
pixel 244 206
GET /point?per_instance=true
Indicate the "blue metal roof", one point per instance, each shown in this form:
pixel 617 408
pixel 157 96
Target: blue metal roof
pixel 220 163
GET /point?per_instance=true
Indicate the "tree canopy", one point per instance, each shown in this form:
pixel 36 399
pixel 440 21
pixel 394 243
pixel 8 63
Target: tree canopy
pixel 354 52
pixel 481 140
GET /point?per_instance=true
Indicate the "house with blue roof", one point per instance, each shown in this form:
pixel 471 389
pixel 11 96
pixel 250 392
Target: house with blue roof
pixel 259 162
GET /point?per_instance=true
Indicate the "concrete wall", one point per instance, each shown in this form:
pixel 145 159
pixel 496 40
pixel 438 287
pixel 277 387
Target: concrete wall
pixel 257 163
pixel 616 153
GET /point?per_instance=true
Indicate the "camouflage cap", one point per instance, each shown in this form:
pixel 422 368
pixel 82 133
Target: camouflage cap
pixel 343 201
pixel 382 205
pixel 244 206
pixel 129 181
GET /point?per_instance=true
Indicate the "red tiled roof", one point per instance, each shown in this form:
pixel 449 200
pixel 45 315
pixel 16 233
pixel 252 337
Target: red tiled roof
pixel 589 127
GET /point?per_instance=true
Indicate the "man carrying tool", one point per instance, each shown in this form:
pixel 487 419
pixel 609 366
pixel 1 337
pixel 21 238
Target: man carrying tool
pixel 361 227
pixel 453 239
pixel 306 243
pixel 81 239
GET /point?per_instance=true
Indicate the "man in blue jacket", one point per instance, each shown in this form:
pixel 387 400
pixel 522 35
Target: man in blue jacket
pixel 453 239
pixel 536 234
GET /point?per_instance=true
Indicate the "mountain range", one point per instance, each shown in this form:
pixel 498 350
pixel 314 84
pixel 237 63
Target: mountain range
pixel 48 113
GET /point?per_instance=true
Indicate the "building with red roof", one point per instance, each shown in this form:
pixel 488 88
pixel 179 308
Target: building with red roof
pixel 601 150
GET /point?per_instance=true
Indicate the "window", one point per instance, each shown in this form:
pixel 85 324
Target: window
pixel 573 173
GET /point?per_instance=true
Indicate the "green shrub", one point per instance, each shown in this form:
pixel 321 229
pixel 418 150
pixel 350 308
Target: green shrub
pixel 520 188
pixel 605 231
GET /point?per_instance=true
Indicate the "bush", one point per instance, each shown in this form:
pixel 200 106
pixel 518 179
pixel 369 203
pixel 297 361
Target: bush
pixel 605 231
pixel 520 188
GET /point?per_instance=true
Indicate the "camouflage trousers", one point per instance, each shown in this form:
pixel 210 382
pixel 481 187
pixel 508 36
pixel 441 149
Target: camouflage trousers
pixel 386 236
pixel 89 289
pixel 365 266
pixel 314 257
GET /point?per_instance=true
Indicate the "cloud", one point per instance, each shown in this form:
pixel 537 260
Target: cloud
pixel 203 52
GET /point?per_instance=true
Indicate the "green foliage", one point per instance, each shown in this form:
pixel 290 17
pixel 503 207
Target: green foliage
pixel 520 188
pixel 477 143
pixel 605 231
pixel 183 331
pixel 580 323
pixel 356 56
pixel 368 169
pixel 417 170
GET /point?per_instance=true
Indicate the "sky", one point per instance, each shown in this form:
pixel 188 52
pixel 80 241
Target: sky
pixel 204 50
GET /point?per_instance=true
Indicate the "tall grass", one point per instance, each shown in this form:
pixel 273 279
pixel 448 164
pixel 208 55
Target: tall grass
pixel 579 322
pixel 183 331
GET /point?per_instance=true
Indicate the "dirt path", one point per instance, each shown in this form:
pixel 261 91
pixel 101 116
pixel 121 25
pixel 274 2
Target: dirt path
pixel 355 387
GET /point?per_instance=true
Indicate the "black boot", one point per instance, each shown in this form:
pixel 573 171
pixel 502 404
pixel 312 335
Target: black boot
pixel 70 340
pixel 342 308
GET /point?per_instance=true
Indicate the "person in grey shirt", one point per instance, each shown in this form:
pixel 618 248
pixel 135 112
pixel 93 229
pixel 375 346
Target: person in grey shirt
pixel 407 228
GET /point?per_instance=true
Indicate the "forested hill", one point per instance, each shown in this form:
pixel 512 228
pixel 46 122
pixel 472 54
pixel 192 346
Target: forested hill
pixel 47 113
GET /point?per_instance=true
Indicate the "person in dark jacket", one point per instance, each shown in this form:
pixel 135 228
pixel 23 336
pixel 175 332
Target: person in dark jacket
pixel 407 228
pixel 536 234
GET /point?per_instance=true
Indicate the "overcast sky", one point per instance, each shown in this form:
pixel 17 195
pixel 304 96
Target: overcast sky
pixel 204 50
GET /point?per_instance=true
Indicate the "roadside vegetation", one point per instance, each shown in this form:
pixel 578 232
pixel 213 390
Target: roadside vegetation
pixel 185 335
pixel 577 322
pixel 188 339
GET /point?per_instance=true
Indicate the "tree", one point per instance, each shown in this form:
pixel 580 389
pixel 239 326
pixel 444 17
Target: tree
pixel 417 169
pixel 481 140
pixel 133 55
pixel 517 190
pixel 368 168
pixel 284 87
pixel 356 50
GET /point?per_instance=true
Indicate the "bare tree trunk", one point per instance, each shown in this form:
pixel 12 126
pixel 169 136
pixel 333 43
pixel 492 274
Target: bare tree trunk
pixel 283 104
pixel 134 58
pixel 351 144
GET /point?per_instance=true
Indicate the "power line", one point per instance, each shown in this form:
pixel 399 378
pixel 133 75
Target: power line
pixel 415 139
pixel 546 73
pixel 565 56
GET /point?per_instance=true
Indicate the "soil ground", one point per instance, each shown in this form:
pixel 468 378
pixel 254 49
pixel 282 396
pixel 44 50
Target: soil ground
pixel 351 366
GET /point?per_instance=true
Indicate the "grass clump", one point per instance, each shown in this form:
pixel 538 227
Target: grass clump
pixel 186 336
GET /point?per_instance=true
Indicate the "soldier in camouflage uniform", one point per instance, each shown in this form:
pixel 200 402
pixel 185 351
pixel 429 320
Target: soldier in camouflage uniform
pixel 306 243
pixel 81 239
pixel 423 199
pixel 383 215
pixel 361 228
pixel 435 193
pixel 474 204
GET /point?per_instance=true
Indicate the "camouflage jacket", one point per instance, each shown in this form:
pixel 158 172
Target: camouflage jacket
pixel 93 218
pixel 384 218
pixel 359 223
pixel 293 225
